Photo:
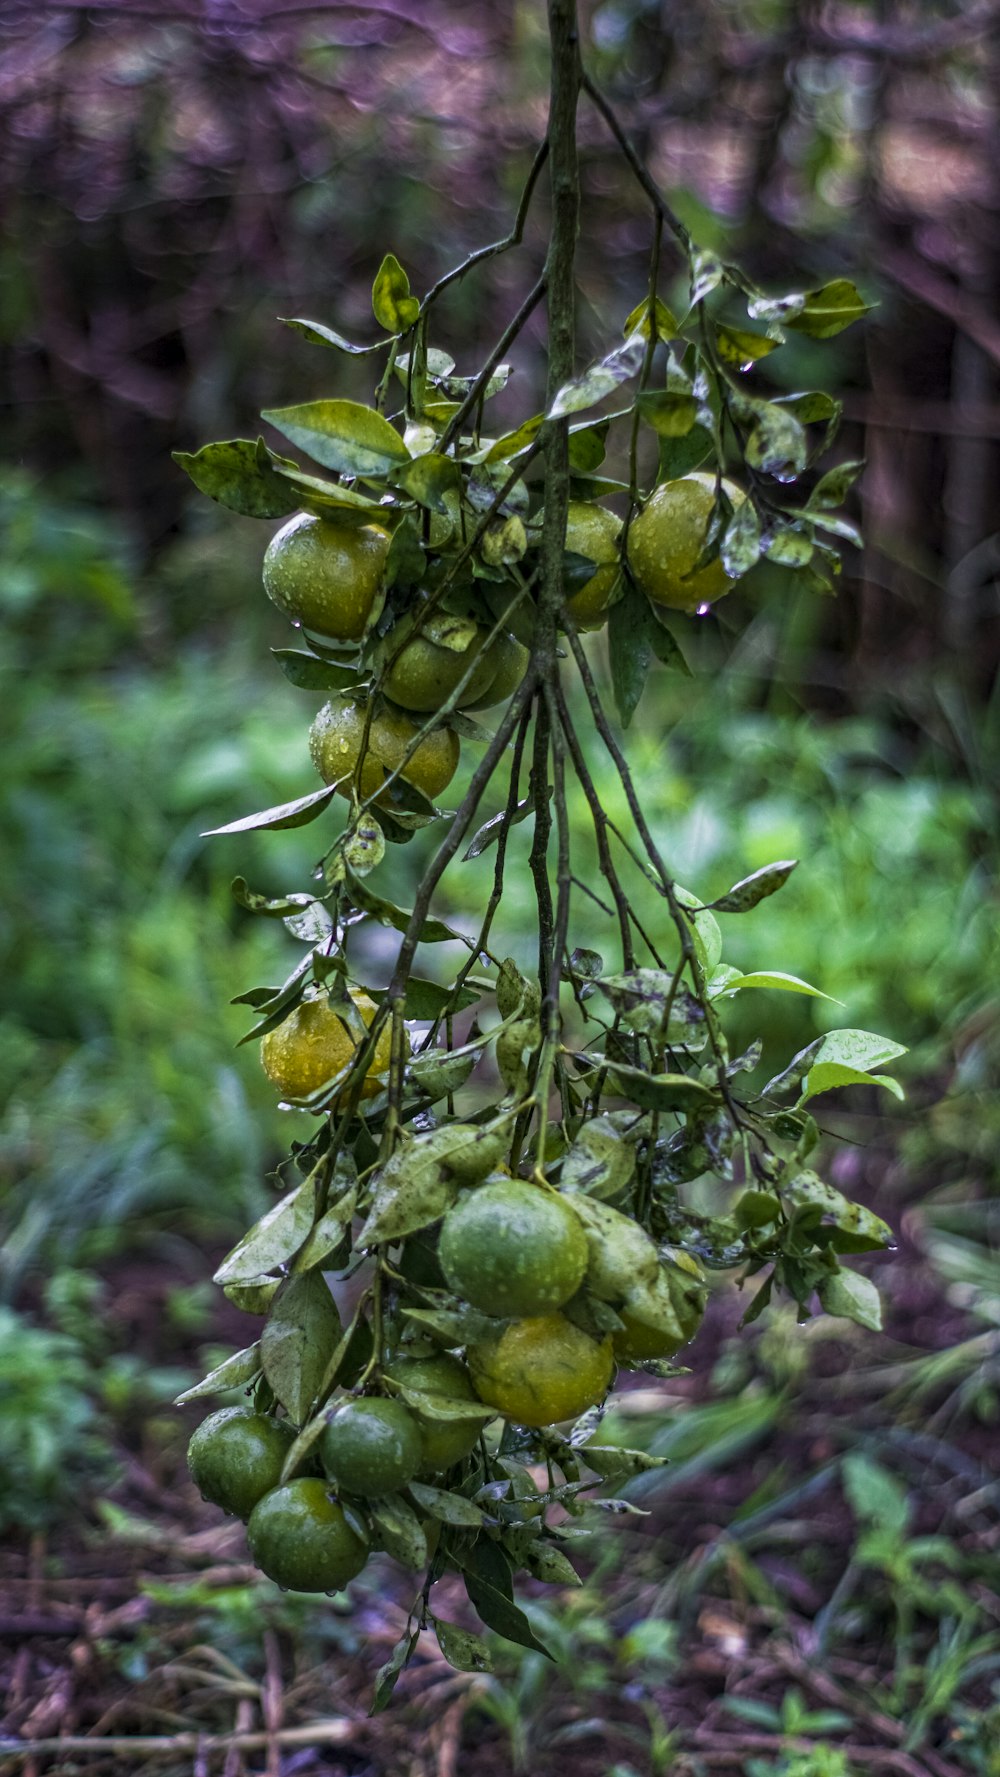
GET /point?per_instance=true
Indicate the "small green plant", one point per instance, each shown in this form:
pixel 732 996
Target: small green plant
pixel 55 1449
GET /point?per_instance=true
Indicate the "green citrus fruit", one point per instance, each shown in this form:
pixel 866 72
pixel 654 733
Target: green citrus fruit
pixel 300 1538
pixel 667 537
pixel 443 1442
pixel 236 1456
pixel 371 1446
pixel 423 674
pixel 326 576
pixel 511 1248
pixel 335 743
pixel 593 531
pixel 509 660
pixel 313 1043
pixel 541 1370
pixel 661 1315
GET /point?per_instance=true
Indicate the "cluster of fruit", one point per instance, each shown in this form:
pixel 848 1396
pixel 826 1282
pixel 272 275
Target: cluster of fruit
pixel 329 579
pixel 512 1254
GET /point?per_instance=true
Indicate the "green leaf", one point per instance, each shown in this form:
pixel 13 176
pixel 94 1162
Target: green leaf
pixel 413 1190
pixel 751 890
pixel 777 444
pixel 328 1232
pixel 252 1298
pixel 392 305
pixel 297 1342
pixel 279 907
pixel 463 1650
pixel 742 349
pixel 829 1074
pixel 659 1092
pixel 385 1678
pixel 497 1611
pixel 600 1162
pixel 600 380
pixel 827 311
pixel 319 335
pixel 852 1296
pixel 447 1508
pixel 439 1072
pixel 285 814
pixel 399 1529
pixel 810 1192
pixel 790 545
pixel 240 474
pixel 833 487
pixel 364 845
pixel 342 435
pixel 436 1407
pixel 740 547
pixel 670 412
pixel 311 674
pixel 705 928
pixel 630 649
pixel 678 456
pixel 615 1463
pixel 426 999
pixel 773 978
pixel 491 830
pixel 242 1367
pixel 432 931
pixel 337 504
pixel 545 1562
pixel 662 322
pixel 428 479
pixel 513 443
pixel 707 272
pixel 274 1239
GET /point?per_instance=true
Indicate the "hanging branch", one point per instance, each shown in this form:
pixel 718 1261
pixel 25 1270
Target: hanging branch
pixel 500 1148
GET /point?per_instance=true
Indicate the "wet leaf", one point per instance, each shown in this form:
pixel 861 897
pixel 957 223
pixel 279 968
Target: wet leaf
pixel 447 1508
pixel 364 845
pixel 342 435
pixel 385 1678
pixel 741 542
pixel 601 379
pixel 240 474
pixel 413 1190
pixel 671 413
pixel 833 487
pixel 399 1529
pixel 661 321
pixel 297 1342
pixel 461 1648
pixel 274 1239
pixel 392 305
pixel 600 1162
pixel 285 814
pixel 828 310
pixel 751 890
pixel 848 1294
pixel 740 348
pixel 319 335
pixel 630 649
pixel 707 272
pixel 432 931
pixel 427 479
pixel 490 831
pixel 242 1367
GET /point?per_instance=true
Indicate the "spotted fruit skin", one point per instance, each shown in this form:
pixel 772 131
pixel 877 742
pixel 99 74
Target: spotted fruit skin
pixel 542 1370
pixel 313 1043
pixel 337 735
pixel 510 1248
pixel 667 537
pixel 299 1537
pixel 326 576
pixel 593 531
pixel 237 1455
pixel 371 1446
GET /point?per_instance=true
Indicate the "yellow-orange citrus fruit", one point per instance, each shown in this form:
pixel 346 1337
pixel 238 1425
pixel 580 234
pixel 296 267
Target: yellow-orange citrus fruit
pixel 313 1043
pixel 593 531
pixel 326 576
pixel 510 1248
pixel 541 1370
pixel 667 537
pixel 335 743
pixel 300 1538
